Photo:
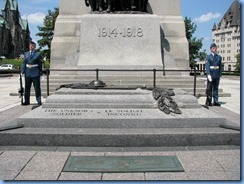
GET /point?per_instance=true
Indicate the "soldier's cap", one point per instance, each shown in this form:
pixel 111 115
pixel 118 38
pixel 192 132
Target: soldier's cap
pixel 32 43
pixel 213 45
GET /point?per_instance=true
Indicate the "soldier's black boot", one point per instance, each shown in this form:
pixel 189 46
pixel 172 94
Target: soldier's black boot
pixel 208 102
pixel 217 104
pixel 26 103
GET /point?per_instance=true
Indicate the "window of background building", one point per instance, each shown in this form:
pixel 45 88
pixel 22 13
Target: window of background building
pixel 7 15
pixel 223 58
pixel 229 67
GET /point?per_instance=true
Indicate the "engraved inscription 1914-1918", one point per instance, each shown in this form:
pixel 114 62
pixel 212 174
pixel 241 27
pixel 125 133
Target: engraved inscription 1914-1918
pixel 124 32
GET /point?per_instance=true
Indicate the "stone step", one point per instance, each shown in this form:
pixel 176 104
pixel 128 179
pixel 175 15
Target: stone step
pixel 200 92
pixel 128 76
pixel 112 81
pixel 185 88
pixel 117 117
pixel 130 79
pixel 189 90
pixel 53 87
pixel 125 78
pixel 122 82
pixel 174 81
pixel 152 137
pixel 180 82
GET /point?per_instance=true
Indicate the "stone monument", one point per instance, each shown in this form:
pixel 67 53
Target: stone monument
pixel 109 116
pixel 87 40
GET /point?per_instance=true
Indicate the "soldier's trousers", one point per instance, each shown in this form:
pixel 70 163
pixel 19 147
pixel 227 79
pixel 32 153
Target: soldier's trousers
pixel 37 87
pixel 212 90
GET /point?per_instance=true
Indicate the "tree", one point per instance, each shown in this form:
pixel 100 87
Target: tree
pixel 237 66
pixel 194 44
pixel 46 32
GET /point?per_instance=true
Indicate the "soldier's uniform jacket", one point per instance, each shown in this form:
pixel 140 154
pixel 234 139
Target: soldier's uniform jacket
pixel 32 64
pixel 214 65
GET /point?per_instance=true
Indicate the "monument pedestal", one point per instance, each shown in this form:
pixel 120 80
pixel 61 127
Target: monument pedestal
pixel 118 118
pixel 141 41
pixel 125 109
pixel 121 42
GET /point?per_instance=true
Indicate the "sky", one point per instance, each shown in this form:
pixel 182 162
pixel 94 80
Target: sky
pixel 204 13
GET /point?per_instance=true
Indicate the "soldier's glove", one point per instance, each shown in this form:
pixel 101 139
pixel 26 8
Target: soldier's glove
pixel 209 78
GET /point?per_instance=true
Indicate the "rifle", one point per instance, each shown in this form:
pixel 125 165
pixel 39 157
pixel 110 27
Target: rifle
pixel 209 92
pixel 21 89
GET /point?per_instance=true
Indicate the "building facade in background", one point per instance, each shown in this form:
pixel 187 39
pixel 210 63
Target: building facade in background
pixel 226 35
pixel 14 32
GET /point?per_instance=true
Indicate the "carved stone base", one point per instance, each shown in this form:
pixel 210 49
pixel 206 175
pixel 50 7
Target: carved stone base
pixel 126 109
pixel 121 41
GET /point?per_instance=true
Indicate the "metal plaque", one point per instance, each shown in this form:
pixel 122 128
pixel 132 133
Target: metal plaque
pixel 114 164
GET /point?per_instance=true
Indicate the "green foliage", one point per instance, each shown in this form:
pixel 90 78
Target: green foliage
pixel 47 64
pixel 46 32
pixel 202 55
pixel 237 66
pixel 18 62
pixel 190 28
pixel 194 44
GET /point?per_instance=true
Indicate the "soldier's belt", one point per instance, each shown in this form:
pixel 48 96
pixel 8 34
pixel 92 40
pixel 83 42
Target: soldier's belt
pixel 214 67
pixel 31 66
